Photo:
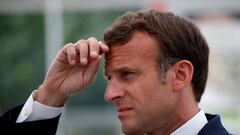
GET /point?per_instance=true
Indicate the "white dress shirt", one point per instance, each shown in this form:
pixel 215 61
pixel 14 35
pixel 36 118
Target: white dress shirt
pixel 193 126
pixel 33 110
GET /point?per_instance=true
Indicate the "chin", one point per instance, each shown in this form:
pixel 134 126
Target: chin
pixel 131 133
pixel 131 129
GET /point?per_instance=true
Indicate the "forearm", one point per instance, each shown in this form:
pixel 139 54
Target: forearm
pixel 50 98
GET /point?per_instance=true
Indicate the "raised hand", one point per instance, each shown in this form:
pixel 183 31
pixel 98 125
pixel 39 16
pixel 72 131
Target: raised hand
pixel 73 69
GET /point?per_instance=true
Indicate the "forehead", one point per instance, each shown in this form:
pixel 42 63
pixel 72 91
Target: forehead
pixel 140 48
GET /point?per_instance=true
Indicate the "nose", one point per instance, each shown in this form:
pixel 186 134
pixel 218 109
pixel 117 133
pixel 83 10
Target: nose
pixel 113 91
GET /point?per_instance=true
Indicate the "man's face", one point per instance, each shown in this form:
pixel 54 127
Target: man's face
pixel 143 103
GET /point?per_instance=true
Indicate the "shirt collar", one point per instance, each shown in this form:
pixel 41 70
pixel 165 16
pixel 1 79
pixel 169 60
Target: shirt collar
pixel 192 126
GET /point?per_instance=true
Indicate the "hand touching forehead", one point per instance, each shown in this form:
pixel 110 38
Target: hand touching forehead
pixel 139 50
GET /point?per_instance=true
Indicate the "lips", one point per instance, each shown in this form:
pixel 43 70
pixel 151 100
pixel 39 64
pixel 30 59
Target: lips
pixel 123 111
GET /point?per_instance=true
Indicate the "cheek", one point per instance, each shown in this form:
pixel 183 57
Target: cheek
pixel 146 94
pixel 155 96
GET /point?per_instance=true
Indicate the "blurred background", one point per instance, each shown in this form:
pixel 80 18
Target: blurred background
pixel 32 32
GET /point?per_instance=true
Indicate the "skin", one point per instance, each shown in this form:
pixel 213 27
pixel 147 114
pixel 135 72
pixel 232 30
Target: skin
pixel 144 105
pixel 71 71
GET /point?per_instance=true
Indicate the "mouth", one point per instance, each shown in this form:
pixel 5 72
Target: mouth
pixel 123 111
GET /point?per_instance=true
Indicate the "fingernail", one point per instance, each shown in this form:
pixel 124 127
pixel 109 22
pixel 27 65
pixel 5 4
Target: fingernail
pixel 84 60
pixel 73 62
pixel 94 54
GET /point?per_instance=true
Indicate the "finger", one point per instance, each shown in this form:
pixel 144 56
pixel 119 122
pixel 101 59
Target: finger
pixel 94 47
pixel 70 51
pixel 92 68
pixel 83 50
pixel 104 48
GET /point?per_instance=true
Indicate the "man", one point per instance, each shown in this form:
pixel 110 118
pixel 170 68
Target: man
pixel 156 65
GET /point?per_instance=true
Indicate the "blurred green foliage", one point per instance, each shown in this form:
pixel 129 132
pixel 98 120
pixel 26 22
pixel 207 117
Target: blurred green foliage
pixel 22 54
pixel 21 57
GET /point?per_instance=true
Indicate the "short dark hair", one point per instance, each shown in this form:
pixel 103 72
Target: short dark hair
pixel 178 39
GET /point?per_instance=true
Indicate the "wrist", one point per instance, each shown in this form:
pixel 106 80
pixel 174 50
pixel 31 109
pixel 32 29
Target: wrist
pixel 50 97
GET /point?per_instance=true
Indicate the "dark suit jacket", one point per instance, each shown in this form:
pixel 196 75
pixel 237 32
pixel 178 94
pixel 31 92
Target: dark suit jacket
pixel 213 127
pixel 9 126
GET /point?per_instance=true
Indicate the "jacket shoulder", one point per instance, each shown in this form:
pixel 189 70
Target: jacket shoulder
pixel 214 126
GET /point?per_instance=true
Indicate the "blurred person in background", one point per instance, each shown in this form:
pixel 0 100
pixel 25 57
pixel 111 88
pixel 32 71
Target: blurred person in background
pixel 156 64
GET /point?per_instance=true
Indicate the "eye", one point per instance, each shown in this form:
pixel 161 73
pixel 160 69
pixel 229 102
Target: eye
pixel 127 74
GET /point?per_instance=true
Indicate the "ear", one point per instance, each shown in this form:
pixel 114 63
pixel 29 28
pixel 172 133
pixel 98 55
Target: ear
pixel 182 75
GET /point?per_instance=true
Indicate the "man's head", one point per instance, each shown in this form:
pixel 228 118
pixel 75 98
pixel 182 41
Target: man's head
pixel 157 69
pixel 178 39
